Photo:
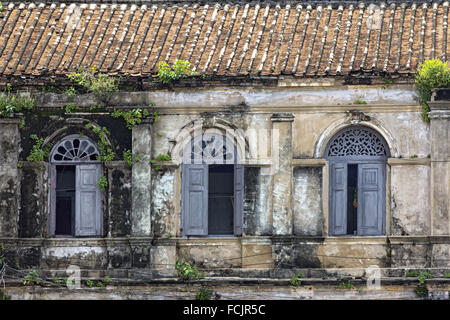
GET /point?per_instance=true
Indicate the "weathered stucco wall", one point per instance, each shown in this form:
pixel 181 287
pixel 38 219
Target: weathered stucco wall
pixel 211 253
pixel 295 239
pixel 410 200
pixel 307 201
pixel 165 220
pixel 257 217
pixel 119 199
pixel 9 177
pixel 33 213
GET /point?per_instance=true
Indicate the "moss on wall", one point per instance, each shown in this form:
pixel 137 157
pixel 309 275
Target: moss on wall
pixel 120 201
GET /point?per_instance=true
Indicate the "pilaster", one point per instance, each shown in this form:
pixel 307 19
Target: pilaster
pixel 141 180
pixel 282 173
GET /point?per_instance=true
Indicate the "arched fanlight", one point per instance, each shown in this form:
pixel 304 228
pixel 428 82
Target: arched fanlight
pixel 210 148
pixel 357 141
pixel 75 149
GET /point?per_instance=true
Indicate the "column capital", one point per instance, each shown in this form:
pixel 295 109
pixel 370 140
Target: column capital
pixel 282 117
pixel 9 120
pixel 439 114
pixel 147 121
pixel 440 104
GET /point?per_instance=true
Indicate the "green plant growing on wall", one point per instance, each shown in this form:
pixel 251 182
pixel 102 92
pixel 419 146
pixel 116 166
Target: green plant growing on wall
pixel 412 273
pixel 3 295
pixel 295 279
pixel 447 275
pixel 102 183
pixel 357 101
pixel 32 278
pixel 70 92
pixel 421 289
pixel 46 235
pixel 38 153
pixel 431 74
pixel 101 85
pixel 96 107
pixel 413 156
pixel 424 275
pixel 2 253
pixel 106 152
pixel 156 115
pixel 22 124
pixel 131 117
pixel 71 107
pixel 346 285
pixel 89 283
pixel 187 271
pixel 128 157
pixel 160 158
pixel 387 81
pixel 168 74
pixel 204 294
pixel 11 103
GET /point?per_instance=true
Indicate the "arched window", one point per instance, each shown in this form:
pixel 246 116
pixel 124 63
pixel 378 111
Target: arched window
pixel 357 158
pixel 75 198
pixel 213 187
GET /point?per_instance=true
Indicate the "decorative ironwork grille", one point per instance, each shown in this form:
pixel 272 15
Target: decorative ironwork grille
pixel 75 149
pixel 357 142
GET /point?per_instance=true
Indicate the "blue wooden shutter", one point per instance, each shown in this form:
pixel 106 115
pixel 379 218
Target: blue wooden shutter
pixel 51 228
pixel 238 198
pixel 88 200
pixel 371 199
pixel 338 199
pixel 195 199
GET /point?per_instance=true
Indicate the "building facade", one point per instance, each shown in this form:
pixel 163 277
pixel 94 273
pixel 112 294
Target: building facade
pixel 297 143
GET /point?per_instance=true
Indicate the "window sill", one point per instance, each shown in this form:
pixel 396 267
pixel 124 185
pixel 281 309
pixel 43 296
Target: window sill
pixel 216 236
pixel 357 239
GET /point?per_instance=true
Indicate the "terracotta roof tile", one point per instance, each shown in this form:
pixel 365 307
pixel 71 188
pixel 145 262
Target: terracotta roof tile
pixel 253 38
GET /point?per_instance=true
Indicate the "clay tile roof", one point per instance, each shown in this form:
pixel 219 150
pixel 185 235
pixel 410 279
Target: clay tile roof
pixel 298 38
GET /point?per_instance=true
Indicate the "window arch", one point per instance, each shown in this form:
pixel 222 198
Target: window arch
pixel 357 158
pixel 75 198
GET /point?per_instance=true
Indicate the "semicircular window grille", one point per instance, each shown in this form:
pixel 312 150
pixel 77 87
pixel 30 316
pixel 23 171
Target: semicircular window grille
pixel 75 149
pixel 211 148
pixel 357 142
